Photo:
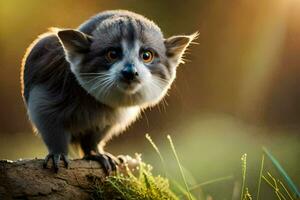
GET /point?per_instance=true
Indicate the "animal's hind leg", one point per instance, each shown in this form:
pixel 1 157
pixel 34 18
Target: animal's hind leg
pixel 49 127
pixel 57 141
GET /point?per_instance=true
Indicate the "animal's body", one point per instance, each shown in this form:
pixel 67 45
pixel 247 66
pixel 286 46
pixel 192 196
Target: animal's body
pixel 86 85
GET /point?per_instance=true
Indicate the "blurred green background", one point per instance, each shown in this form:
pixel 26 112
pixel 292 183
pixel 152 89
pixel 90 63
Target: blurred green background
pixel 239 91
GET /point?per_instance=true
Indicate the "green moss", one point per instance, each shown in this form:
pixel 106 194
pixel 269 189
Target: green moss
pixel 141 184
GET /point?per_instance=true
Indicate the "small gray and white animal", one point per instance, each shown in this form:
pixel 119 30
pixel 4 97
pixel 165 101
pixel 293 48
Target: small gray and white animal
pixel 86 85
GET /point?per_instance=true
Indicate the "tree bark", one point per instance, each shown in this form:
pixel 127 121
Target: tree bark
pixel 26 179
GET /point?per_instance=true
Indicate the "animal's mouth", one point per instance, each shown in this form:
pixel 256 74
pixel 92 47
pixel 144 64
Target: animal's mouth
pixel 129 87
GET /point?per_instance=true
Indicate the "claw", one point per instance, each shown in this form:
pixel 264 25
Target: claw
pixel 46 160
pixel 55 159
pixel 66 160
pixel 106 161
pixel 112 163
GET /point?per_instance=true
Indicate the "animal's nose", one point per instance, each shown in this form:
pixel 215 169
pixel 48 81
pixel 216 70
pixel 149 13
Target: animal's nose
pixel 129 72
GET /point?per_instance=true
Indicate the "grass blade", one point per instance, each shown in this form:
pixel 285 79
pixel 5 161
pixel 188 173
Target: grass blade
pixel 286 191
pixel 158 152
pixel 244 169
pixel 260 176
pixel 211 182
pixel 189 195
pixel 274 187
pixel 182 190
pixel 289 181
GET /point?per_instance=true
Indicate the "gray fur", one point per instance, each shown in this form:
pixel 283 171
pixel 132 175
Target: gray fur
pixel 73 94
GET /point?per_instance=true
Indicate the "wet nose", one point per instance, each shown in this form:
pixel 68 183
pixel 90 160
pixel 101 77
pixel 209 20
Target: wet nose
pixel 129 72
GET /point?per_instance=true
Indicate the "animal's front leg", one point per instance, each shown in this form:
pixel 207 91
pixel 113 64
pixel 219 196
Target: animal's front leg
pixel 108 162
pixel 89 144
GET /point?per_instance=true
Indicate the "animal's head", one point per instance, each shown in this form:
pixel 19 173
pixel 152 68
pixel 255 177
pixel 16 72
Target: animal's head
pixel 126 61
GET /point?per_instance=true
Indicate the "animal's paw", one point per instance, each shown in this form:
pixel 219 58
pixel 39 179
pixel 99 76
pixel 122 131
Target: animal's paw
pixel 55 160
pixel 107 161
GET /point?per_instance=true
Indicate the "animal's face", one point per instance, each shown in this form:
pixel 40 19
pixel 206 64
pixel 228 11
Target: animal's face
pixel 125 61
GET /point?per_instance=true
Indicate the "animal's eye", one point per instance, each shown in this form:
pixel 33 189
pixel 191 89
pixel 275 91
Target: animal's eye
pixel 147 56
pixel 112 55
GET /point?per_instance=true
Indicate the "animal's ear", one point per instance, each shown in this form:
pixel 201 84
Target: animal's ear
pixel 176 46
pixel 74 41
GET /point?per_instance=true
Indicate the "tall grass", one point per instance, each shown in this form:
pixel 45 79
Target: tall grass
pixel 284 174
pixel 280 190
pixel 142 184
pixel 244 169
pixel 260 176
pixel 158 153
pixel 189 195
pixel 186 190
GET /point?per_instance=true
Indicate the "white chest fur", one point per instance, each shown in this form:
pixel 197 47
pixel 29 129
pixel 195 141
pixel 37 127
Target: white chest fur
pixel 124 117
pixel 118 122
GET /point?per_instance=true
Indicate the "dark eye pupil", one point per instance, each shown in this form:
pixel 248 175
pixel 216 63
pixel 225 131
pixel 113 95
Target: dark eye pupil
pixel 146 55
pixel 113 54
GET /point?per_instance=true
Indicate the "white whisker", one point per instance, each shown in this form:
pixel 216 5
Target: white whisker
pixel 93 73
pixel 107 87
pixel 99 83
pixel 95 78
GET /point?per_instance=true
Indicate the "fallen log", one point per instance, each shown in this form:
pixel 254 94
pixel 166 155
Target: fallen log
pixel 26 179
